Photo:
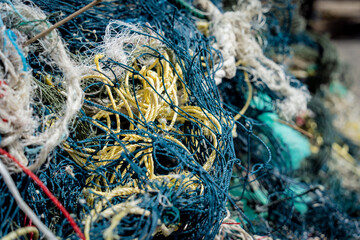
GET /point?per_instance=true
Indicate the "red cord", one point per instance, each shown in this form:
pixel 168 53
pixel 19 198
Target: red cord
pixel 232 223
pixel 30 224
pixel 25 218
pixel 31 234
pixel 262 237
pixel 47 192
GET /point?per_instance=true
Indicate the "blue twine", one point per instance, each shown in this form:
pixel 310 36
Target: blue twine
pixel 12 36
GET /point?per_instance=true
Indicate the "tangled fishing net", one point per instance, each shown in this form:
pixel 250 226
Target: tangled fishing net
pixel 164 120
pixel 150 141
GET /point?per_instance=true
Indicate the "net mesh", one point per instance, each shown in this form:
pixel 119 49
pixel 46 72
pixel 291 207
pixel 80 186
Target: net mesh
pixel 157 150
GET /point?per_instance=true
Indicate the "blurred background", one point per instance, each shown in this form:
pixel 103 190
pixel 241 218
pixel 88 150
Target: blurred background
pixel 341 20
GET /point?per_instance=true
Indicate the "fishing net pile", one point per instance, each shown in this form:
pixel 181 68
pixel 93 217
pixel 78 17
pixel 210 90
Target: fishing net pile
pixel 307 189
pixel 170 120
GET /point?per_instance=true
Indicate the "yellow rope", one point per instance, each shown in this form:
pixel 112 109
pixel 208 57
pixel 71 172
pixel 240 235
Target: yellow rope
pixel 159 86
pixel 21 232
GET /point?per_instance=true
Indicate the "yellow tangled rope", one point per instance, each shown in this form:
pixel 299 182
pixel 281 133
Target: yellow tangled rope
pixel 21 232
pixel 161 84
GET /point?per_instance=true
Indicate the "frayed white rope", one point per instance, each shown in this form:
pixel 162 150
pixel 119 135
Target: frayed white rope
pixel 236 35
pixel 54 49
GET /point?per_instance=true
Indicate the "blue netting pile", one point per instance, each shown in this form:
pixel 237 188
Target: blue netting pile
pixel 171 166
pixel 155 153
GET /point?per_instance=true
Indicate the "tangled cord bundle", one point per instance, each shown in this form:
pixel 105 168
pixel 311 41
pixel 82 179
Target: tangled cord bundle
pixel 125 126
pixel 151 135
pixel 16 122
pixel 19 124
pixel 238 40
pixel 155 149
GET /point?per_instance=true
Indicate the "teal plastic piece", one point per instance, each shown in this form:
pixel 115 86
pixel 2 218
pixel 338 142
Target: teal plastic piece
pixel 298 145
pixel 338 89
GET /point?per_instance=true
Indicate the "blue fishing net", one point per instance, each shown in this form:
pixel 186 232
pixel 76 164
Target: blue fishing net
pixel 167 172
pixel 154 152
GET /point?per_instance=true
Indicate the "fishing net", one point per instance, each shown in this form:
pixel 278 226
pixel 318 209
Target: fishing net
pixel 169 120
pixel 279 197
pixel 159 148
pixel 149 153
